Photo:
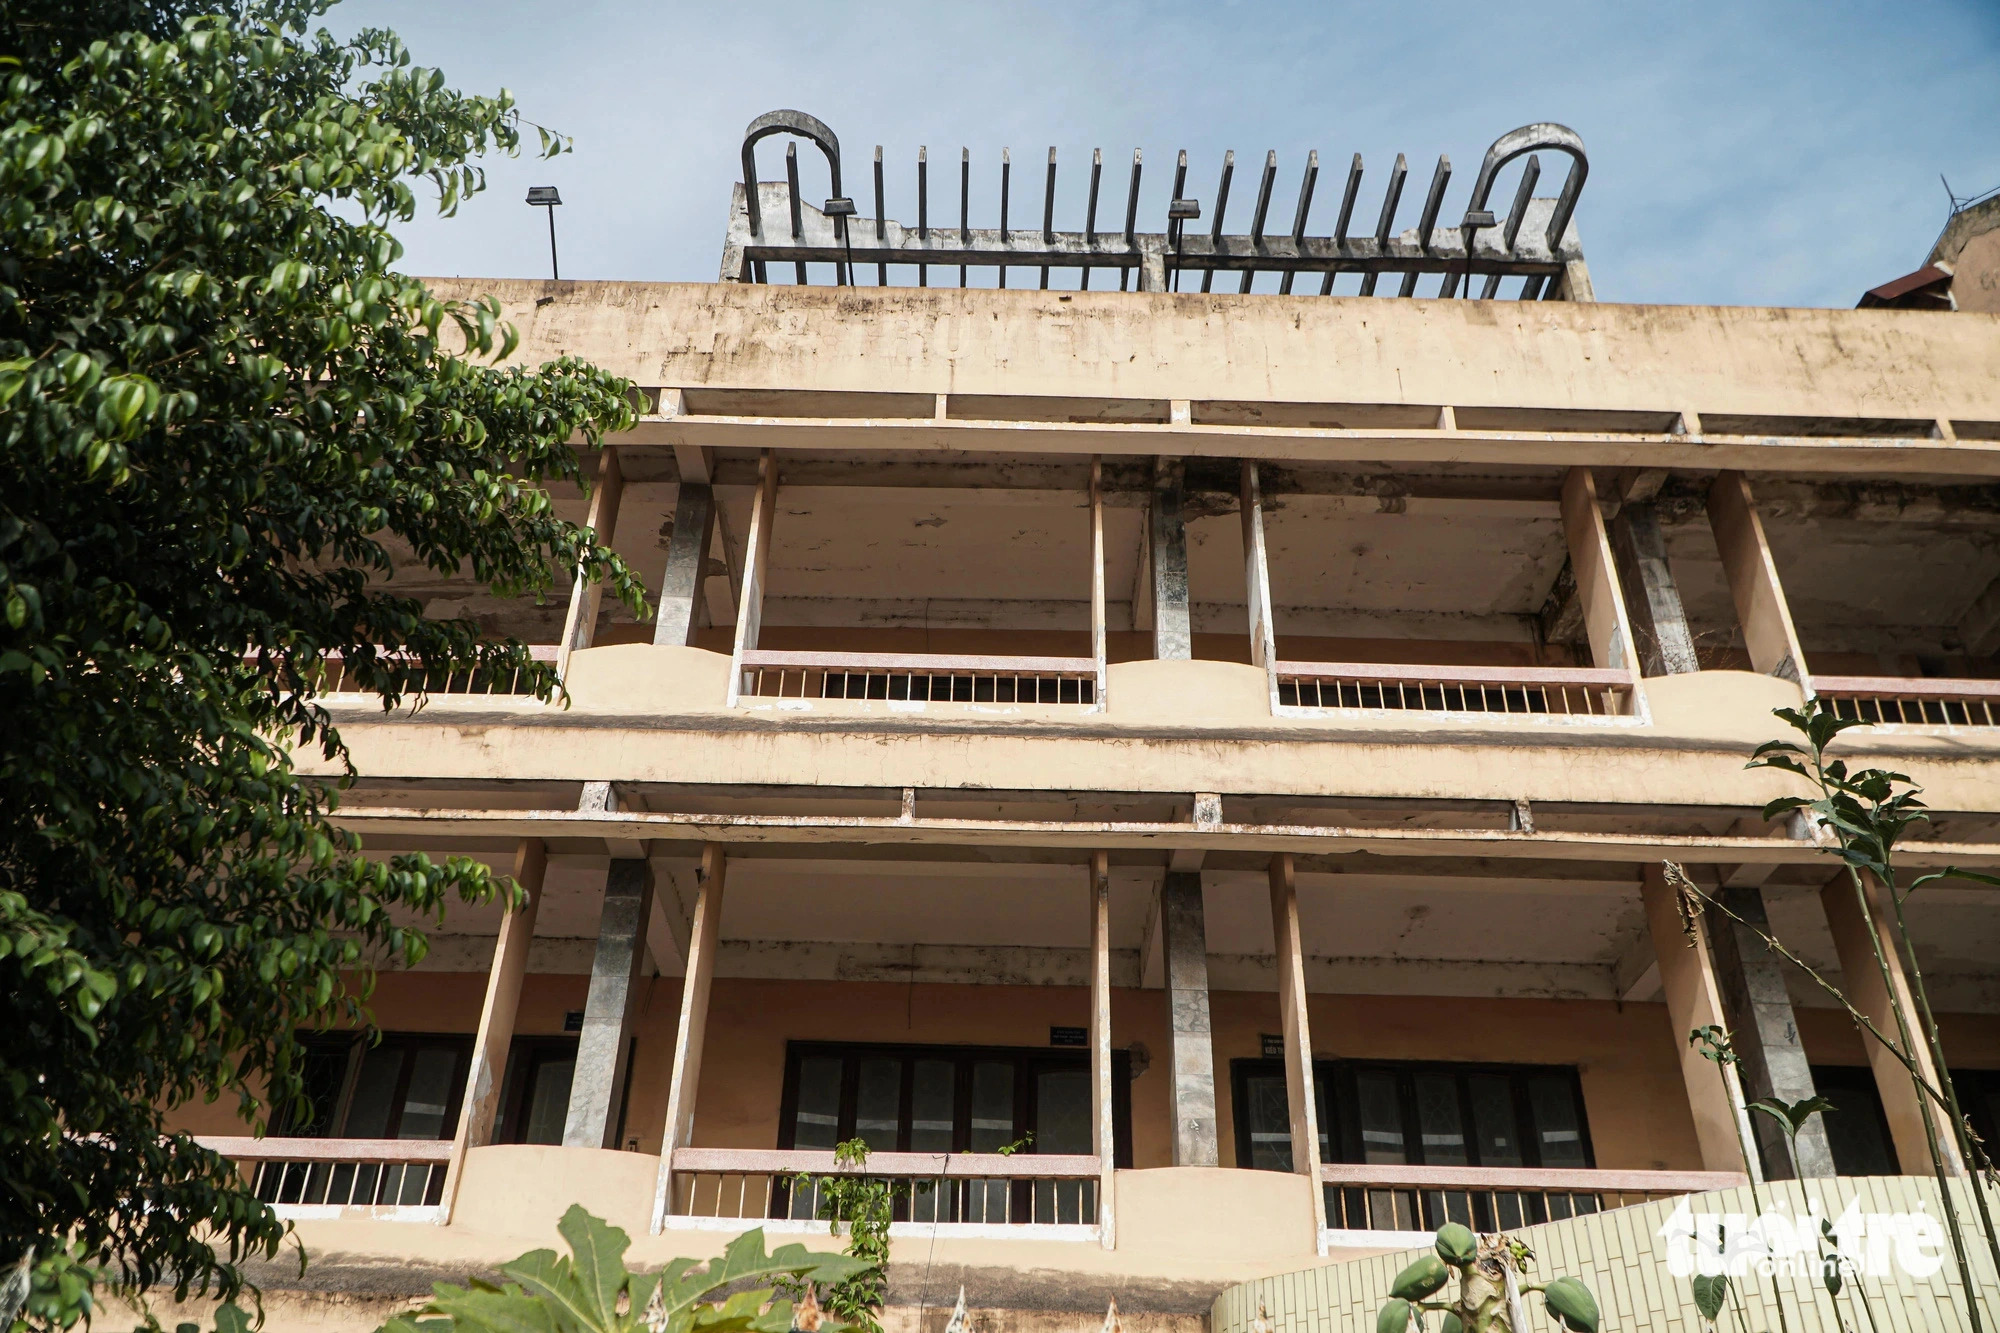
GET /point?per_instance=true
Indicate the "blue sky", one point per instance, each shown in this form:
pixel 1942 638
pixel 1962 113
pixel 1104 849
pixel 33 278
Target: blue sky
pixel 1752 153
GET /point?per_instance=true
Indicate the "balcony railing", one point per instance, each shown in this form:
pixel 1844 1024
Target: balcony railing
pixel 1372 1197
pixel 1055 1195
pixel 1526 692
pixel 918 677
pixel 394 1179
pixel 1926 702
pixel 332 675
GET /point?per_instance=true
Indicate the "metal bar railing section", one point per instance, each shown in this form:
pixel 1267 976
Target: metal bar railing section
pixel 341 1173
pixel 332 675
pixel 946 1188
pixel 1547 692
pixel 1415 1198
pixel 1926 702
pixel 923 678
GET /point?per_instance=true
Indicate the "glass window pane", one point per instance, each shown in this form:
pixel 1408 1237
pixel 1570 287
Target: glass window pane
pixel 992 1105
pixel 548 1100
pixel 322 1071
pixel 1269 1115
pixel 1440 1120
pixel 374 1090
pixel 429 1094
pixel 933 1089
pixel 1558 1119
pixel 1062 1110
pixel 816 1121
pixel 878 1102
pixel 1494 1131
pixel 1379 1110
pixel 1322 1107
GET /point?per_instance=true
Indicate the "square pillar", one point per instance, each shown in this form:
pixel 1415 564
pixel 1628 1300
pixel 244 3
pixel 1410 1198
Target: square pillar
pixel 598 1088
pixel 1652 602
pixel 480 1107
pixel 1856 936
pixel 1102 1124
pixel 1768 632
pixel 704 937
pixel 1300 1089
pixel 1694 1000
pixel 1185 937
pixel 1766 1033
pixel 587 595
pixel 687 566
pixel 1173 633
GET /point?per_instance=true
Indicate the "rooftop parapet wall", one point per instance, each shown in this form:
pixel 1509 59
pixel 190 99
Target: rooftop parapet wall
pixel 1858 364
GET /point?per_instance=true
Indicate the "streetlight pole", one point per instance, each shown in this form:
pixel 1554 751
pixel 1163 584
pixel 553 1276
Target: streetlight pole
pixel 546 196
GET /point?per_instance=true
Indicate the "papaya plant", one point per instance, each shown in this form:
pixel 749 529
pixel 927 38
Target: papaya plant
pixel 590 1290
pixel 1489 1298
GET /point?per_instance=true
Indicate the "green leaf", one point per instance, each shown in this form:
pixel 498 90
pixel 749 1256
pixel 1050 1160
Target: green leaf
pixel 599 1267
pixel 1709 1294
pixel 492 1311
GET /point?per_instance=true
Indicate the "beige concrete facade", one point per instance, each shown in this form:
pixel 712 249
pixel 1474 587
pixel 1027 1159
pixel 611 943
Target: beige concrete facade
pixel 1414 691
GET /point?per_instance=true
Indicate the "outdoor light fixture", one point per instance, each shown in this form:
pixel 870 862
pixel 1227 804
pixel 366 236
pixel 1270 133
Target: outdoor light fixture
pixel 1180 212
pixel 840 209
pixel 547 196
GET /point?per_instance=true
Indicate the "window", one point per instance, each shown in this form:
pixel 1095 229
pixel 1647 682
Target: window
pixel 1856 1129
pixel 534 1097
pixel 1398 1113
pixel 405 1086
pixel 944 1099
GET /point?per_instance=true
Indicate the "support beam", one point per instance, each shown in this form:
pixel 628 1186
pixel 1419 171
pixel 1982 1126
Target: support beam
pixel 1098 626
pixel 1857 935
pixel 1753 580
pixel 1979 628
pixel 481 1105
pixel 1173 634
pixel 1102 1134
pixel 587 594
pixel 756 558
pixel 1773 1060
pixel 1694 1000
pixel 1185 936
pixel 1653 604
pixel 1605 623
pixel 687 566
pixel 597 1091
pixel 1257 580
pixel 704 937
pixel 1299 1087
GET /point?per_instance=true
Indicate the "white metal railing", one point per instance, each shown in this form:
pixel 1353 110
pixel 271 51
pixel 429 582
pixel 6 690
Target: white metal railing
pixel 951 1189
pixel 331 675
pixel 1539 692
pixel 1924 702
pixel 401 1179
pixel 918 677
pixel 1376 1197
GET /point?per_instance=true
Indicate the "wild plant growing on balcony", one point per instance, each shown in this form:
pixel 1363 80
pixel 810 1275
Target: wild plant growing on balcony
pixel 1861 815
pixel 1491 1293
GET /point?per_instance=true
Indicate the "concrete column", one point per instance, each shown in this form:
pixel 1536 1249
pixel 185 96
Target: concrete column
pixel 704 937
pixel 1653 603
pixel 1103 1141
pixel 1767 1036
pixel 1185 936
pixel 1300 1089
pixel 495 1036
pixel 1855 937
pixel 1604 621
pixel 687 566
pixel 599 1085
pixel 1694 1000
pixel 1173 634
pixel 1768 632
pixel 587 595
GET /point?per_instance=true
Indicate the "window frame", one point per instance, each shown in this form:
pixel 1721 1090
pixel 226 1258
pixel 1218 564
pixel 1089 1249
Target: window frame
pixel 354 1047
pixel 1342 1124
pixel 1027 1060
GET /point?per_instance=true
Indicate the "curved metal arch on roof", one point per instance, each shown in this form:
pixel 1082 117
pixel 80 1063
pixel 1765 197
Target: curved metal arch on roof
pixel 785 122
pixel 1532 243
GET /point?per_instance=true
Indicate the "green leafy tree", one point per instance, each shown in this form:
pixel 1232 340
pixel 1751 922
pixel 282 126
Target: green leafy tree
pixel 224 421
pixel 591 1291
